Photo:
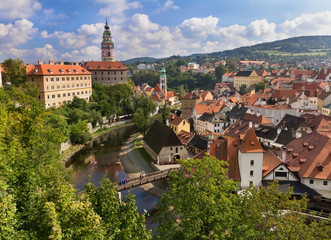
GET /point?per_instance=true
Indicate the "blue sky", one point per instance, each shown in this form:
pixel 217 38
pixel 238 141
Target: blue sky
pixel 71 30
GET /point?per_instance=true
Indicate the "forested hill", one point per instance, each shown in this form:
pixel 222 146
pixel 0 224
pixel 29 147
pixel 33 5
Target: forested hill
pixel 297 48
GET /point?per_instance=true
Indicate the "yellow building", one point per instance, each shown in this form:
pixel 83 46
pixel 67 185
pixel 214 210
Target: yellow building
pixel 178 124
pixel 191 99
pixel 246 77
pixel 58 83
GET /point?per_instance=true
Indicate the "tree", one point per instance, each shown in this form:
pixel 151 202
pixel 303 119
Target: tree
pixel 181 92
pixel 142 117
pixel 259 86
pixel 219 71
pixel 231 65
pixel 79 132
pixel 15 72
pixel 202 203
pixel 120 220
pixel 243 89
pixel 164 111
pixel 212 211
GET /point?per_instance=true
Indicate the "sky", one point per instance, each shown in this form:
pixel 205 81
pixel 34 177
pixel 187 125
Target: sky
pixel 71 30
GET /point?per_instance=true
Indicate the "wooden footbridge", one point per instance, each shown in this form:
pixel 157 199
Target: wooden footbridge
pixel 148 178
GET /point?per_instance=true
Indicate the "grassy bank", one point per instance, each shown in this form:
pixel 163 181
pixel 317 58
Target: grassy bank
pixel 65 155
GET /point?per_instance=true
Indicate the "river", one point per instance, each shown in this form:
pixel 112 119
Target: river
pixel 105 150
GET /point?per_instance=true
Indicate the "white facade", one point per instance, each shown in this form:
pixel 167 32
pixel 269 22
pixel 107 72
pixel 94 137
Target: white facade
pixel 317 184
pixel 274 115
pixel 281 173
pixel 250 167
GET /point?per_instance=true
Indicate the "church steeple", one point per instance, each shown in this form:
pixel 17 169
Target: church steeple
pixel 107 45
pixel 163 80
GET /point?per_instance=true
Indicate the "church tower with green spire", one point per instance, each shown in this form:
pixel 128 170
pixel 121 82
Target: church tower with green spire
pixel 163 80
pixel 107 45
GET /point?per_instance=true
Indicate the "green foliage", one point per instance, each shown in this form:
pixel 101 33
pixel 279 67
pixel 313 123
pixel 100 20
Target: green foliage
pixel 219 71
pixel 164 111
pixel 259 86
pixel 36 197
pixel 14 71
pixel 201 203
pixel 144 107
pixel 120 221
pixel 79 132
pixel 175 78
pixel 243 89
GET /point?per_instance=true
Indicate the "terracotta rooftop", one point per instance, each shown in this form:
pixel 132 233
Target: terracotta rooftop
pixel 175 120
pixel 105 66
pixel 256 119
pixel 310 156
pixel 54 69
pixel 185 137
pixel 250 143
pixel 270 162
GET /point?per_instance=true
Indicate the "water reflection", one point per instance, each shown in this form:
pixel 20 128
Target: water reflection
pixel 105 150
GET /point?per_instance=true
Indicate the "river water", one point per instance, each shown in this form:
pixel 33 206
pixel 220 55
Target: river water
pixel 105 150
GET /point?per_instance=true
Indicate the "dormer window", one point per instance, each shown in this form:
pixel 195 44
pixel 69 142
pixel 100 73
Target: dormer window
pixel 69 70
pixel 75 70
pixel 35 70
pixel 51 71
pixel 84 70
pixel 61 70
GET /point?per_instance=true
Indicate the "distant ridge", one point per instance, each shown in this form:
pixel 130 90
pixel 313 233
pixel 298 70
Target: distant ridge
pixel 308 46
pixel 140 60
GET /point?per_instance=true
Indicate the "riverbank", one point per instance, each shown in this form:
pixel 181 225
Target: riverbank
pixel 67 154
pixel 135 164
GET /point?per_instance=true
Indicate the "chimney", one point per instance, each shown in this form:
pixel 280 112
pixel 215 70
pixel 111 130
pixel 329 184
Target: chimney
pixel 61 62
pixel 250 125
pixel 258 113
pixel 283 159
pixel 208 145
pixel 325 71
pixel 51 62
pixel 40 61
pixel 287 101
pixel 298 134
pixel 278 131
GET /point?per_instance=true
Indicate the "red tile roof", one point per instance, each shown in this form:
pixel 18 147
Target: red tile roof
pixel 310 156
pixel 53 69
pixel 104 66
pixel 270 162
pixel 250 143
pixel 185 137
pixel 175 120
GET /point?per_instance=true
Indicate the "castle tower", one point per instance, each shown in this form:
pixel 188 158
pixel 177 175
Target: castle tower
pixel 163 80
pixel 107 45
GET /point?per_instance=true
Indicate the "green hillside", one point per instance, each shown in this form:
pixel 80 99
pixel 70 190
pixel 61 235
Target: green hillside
pixel 291 48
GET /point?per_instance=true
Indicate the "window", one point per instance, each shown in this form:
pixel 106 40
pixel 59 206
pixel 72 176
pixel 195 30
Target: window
pixel 170 149
pixel 325 183
pixel 59 95
pixel 250 183
pixel 63 79
pixel 64 95
pixel 77 78
pixel 251 173
pixel 53 96
pixel 252 162
pixel 69 94
pixel 57 79
pixel 280 174
pixel 81 78
pixel 311 181
pixel 72 78
pixel 52 79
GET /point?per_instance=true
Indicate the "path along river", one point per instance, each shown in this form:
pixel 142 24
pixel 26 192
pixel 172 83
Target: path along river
pixel 116 156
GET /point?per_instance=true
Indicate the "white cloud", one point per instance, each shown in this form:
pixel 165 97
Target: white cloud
pixel 115 9
pixel 308 24
pixel 85 54
pixel 199 27
pixel 14 34
pixel 169 4
pixel 10 10
pixel 46 52
pixel 141 23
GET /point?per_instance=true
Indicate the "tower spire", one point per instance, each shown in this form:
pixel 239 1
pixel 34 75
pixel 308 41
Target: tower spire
pixel 107 45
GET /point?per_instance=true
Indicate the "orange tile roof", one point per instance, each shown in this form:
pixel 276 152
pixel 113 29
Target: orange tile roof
pixel 312 159
pixel 158 89
pixel 185 137
pixel 211 107
pixel 156 97
pixel 250 143
pixel 175 120
pixel 54 69
pixel 232 153
pixel 105 66
pixel 270 162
